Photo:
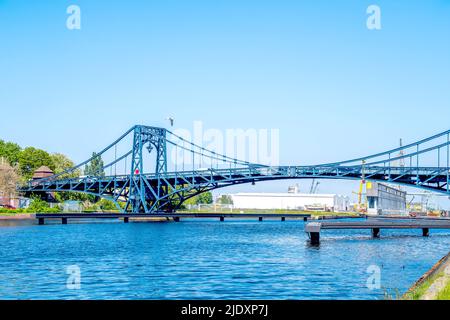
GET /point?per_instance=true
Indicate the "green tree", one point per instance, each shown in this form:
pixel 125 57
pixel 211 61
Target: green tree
pixel 202 198
pixel 95 168
pixel 205 198
pixel 225 199
pixel 38 205
pixel 106 205
pixel 74 196
pixel 63 163
pixel 10 151
pixel 31 159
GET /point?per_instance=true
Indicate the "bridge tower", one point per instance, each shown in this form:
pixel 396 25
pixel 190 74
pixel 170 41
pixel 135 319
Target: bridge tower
pixel 142 194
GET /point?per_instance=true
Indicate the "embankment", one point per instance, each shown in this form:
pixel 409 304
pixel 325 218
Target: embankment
pixel 434 284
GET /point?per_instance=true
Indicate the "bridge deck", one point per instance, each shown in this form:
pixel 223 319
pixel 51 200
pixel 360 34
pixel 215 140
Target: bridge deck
pixel 375 224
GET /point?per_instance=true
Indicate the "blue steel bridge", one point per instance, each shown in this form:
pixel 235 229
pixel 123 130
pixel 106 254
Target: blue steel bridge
pixel 148 183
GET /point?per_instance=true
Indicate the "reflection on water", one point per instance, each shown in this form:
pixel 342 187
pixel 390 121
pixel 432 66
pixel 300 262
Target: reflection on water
pixel 209 260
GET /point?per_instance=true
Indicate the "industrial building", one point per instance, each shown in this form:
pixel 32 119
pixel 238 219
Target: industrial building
pixel 383 199
pixel 291 200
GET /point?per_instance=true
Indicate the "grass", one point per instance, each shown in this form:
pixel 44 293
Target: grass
pixel 444 294
pixel 8 214
pixel 391 294
pixel 420 290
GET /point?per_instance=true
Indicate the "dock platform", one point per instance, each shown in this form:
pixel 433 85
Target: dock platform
pixel 64 217
pixel 375 225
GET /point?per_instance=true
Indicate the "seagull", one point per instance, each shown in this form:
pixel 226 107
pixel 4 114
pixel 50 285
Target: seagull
pixel 172 120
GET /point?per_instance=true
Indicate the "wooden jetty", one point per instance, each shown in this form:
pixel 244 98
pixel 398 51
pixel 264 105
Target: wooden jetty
pixel 64 217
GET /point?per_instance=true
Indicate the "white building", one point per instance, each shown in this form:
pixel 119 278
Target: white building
pixel 291 201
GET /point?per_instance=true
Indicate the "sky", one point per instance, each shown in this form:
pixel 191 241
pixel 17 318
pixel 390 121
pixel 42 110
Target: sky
pixel 334 89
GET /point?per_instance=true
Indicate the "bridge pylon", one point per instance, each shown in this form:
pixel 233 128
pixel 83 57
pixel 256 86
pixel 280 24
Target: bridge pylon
pixel 144 196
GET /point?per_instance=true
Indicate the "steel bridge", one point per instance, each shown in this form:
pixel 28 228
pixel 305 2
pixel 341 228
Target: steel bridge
pixel 194 169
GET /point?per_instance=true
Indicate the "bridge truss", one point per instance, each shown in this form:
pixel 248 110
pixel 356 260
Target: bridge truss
pixel 165 185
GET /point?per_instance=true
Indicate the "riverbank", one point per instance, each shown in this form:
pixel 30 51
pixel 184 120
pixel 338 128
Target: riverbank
pixel 433 285
pixel 17 216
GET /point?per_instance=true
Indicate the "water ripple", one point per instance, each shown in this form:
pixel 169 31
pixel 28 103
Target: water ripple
pixel 209 260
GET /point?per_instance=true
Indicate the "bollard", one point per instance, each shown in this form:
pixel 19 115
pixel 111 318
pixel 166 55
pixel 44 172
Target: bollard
pixel 313 230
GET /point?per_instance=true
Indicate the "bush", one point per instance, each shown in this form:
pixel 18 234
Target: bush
pixel 40 206
pixel 106 205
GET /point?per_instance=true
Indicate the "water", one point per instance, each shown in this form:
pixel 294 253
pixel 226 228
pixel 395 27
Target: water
pixel 205 259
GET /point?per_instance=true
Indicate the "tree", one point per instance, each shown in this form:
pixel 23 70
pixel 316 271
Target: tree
pixel 10 151
pixel 8 180
pixel 96 166
pixel 74 196
pixel 225 199
pixel 31 159
pixel 63 163
pixel 38 205
pixel 106 205
pixel 202 198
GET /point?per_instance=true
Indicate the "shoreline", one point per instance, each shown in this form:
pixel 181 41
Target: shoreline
pixel 431 284
pixel 19 216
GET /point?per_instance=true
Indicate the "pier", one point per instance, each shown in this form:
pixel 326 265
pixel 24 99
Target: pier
pixel 313 229
pixel 64 217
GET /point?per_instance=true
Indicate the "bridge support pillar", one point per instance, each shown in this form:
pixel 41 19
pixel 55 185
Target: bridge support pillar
pixel 283 218
pixel 222 219
pixel 315 238
pixel 426 232
pixel 64 220
pixel 41 221
pixel 261 219
pixel 376 232
pixel 126 220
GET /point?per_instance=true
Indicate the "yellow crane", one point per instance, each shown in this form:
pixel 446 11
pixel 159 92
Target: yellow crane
pixel 362 207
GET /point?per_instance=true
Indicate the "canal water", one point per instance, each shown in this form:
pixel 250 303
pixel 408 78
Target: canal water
pixel 207 259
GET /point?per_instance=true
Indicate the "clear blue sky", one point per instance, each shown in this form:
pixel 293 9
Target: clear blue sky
pixel 335 89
